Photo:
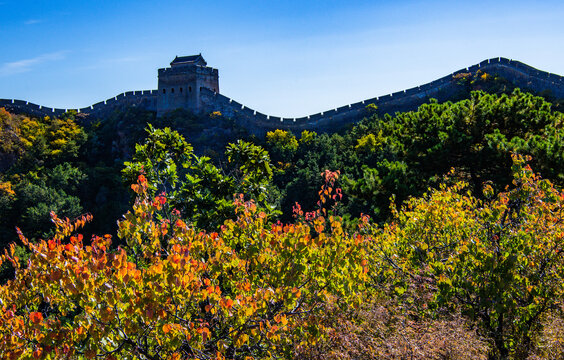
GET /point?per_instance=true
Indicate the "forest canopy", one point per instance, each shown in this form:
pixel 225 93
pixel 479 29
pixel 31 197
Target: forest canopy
pixel 157 238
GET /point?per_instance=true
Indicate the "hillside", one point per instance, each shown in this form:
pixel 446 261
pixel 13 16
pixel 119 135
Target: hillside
pixel 421 233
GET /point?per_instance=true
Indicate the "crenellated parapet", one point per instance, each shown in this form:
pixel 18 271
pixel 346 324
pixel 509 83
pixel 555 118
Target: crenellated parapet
pixel 145 99
pixel 208 99
pixel 521 75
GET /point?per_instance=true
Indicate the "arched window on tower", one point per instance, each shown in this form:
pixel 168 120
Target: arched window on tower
pixel 189 89
pixel 164 91
pixel 172 90
pixel 181 90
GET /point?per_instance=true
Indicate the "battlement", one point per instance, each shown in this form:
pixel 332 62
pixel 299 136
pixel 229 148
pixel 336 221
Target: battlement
pixel 520 74
pixel 180 70
pixel 146 99
pixel 195 87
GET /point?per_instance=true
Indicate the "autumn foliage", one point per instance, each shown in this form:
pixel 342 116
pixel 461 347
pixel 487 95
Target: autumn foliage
pixel 451 275
pixel 252 289
pixel 498 260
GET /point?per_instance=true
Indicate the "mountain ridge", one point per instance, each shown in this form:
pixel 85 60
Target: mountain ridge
pixel 519 74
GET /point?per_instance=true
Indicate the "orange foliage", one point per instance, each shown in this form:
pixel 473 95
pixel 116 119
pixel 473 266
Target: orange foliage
pixel 176 292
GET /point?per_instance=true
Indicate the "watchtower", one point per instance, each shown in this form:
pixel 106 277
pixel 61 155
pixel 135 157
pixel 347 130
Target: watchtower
pixel 180 84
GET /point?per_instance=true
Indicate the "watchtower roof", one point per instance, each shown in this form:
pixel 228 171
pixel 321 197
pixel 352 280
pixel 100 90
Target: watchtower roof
pixel 189 60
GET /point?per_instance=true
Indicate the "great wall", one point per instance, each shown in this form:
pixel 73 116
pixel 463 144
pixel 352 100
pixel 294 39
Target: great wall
pixel 208 100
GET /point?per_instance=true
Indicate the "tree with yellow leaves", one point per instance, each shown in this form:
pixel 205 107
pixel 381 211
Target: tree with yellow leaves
pixel 499 260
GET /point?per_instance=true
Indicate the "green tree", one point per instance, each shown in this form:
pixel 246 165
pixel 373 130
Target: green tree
pixel 283 144
pixel 192 184
pixel 251 169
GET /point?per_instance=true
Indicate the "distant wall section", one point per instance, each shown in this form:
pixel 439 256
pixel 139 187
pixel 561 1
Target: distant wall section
pixel 521 75
pixel 145 99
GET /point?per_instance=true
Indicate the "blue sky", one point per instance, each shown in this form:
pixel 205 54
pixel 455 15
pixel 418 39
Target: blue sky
pixel 284 58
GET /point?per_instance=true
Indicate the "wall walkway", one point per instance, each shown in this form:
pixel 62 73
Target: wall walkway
pixel 520 74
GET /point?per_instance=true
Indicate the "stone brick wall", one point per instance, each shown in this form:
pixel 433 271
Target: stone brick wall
pixel 179 87
pixel 146 99
pixel 520 74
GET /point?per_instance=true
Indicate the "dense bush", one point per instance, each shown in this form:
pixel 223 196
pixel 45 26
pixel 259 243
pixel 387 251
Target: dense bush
pixel 402 155
pixel 451 276
pixel 252 289
pixel 499 261
pixel 470 266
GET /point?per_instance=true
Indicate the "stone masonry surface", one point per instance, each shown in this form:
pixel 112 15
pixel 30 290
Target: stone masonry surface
pixel 195 86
